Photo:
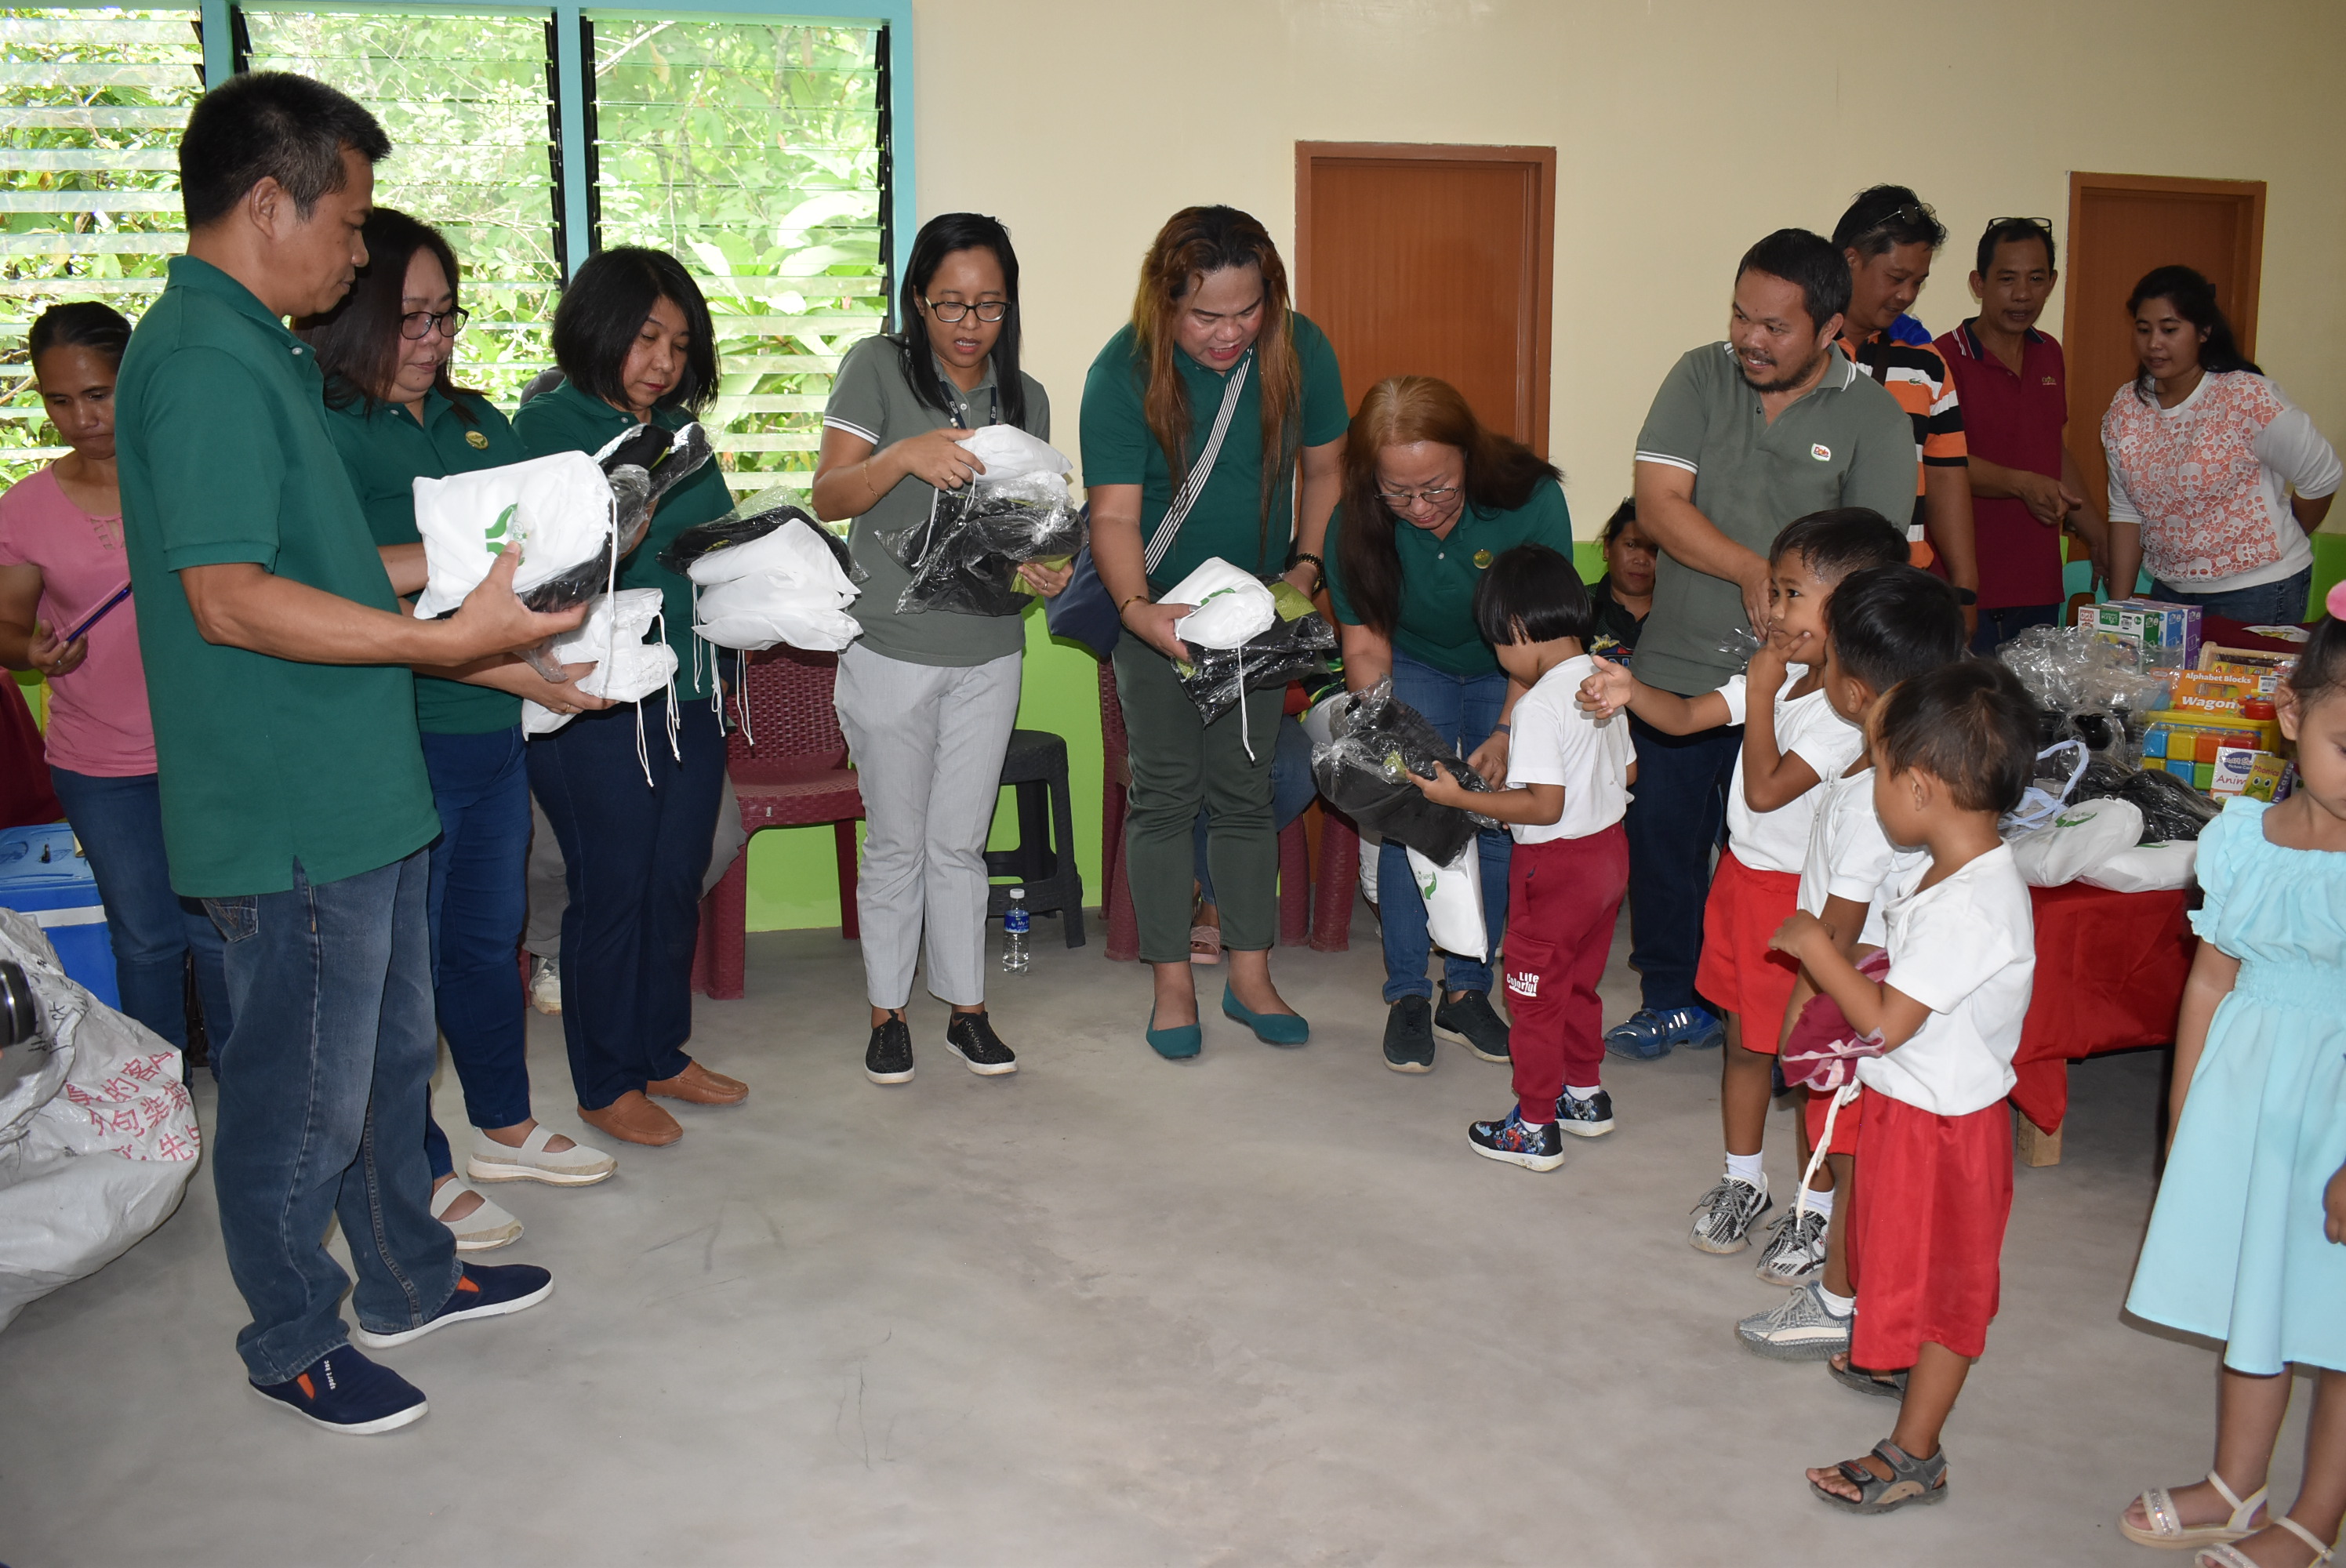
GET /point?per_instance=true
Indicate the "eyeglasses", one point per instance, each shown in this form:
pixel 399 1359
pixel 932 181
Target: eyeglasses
pixel 421 324
pixel 951 310
pixel 2042 225
pixel 1403 500
pixel 1915 215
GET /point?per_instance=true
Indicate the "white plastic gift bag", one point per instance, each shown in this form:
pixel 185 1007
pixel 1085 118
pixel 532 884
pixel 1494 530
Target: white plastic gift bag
pixel 611 638
pixel 2146 867
pixel 2078 837
pixel 559 506
pixel 786 588
pixel 1009 453
pixel 1454 900
pixel 1231 606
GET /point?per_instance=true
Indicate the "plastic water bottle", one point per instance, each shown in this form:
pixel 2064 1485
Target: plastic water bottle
pixel 1015 957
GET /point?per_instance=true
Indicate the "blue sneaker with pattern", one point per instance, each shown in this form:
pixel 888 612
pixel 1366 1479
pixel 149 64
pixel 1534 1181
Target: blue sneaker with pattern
pixel 1518 1143
pixel 1647 1033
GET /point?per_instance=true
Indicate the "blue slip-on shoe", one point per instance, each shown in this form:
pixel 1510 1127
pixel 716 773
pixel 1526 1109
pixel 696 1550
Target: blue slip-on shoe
pixel 1270 1028
pixel 345 1392
pixel 1648 1034
pixel 484 1291
pixel 1176 1044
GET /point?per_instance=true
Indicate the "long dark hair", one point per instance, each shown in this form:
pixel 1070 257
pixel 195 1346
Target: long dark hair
pixel 939 238
pixel 358 339
pixel 2194 298
pixel 1194 241
pixel 1501 475
pixel 606 306
pixel 78 324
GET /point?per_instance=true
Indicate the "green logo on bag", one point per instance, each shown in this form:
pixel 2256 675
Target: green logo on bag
pixel 500 531
pixel 2078 822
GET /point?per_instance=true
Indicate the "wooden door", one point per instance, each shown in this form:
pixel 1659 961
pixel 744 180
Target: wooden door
pixel 2120 227
pixel 1433 260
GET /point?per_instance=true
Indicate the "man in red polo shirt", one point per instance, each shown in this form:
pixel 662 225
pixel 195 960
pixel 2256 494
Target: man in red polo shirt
pixel 2026 486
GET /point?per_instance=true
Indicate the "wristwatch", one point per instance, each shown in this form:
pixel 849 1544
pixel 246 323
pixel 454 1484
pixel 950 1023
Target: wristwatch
pixel 1966 597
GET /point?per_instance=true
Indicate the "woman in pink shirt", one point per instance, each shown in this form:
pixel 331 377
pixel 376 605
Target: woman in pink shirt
pixel 61 562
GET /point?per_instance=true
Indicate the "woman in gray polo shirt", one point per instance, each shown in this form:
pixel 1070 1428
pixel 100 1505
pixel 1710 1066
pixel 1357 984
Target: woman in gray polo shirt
pixel 927 700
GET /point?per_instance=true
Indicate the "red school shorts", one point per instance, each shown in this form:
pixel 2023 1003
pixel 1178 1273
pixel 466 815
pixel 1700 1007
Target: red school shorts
pixel 1844 1127
pixel 1737 971
pixel 1926 1228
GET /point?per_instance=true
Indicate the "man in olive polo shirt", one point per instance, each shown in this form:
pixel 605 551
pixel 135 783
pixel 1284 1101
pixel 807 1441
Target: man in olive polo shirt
pixel 295 802
pixel 1745 437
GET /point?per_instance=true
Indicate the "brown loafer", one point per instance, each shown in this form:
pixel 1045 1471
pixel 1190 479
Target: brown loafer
pixel 633 1119
pixel 700 1086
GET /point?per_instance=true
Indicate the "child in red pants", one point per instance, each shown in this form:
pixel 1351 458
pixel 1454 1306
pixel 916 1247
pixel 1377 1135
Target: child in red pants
pixel 1567 788
pixel 1952 751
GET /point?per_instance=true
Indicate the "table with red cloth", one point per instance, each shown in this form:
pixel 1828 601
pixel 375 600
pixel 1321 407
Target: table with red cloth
pixel 2110 969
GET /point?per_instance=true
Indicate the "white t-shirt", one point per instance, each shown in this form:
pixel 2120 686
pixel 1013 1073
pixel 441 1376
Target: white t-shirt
pixel 1807 727
pixel 1555 742
pixel 1849 857
pixel 1965 949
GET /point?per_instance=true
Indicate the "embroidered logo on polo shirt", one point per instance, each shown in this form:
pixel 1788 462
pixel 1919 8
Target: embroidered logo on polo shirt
pixel 1523 984
pixel 1482 559
pixel 1821 452
pixel 477 441
pixel 2050 382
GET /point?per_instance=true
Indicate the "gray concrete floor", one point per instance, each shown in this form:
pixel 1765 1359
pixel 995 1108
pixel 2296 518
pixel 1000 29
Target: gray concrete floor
pixel 1263 1307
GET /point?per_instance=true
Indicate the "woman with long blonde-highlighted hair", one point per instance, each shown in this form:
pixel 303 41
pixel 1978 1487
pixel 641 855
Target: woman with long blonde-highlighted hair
pixel 1431 497
pixel 1218 395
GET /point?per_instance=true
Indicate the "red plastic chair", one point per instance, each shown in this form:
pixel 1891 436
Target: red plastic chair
pixel 790 766
pixel 1116 785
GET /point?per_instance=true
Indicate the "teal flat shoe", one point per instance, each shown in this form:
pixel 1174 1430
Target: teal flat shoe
pixel 1270 1028
pixel 1175 1044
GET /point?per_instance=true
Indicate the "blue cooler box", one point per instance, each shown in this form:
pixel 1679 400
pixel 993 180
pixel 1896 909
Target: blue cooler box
pixel 43 875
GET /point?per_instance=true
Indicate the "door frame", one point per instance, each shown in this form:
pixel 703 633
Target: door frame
pixel 2248 258
pixel 1541 263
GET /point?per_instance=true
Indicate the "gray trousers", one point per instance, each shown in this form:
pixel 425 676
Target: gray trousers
pixel 549 888
pixel 927 743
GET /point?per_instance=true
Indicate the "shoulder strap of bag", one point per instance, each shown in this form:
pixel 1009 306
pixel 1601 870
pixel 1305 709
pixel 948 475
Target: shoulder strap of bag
pixel 1169 526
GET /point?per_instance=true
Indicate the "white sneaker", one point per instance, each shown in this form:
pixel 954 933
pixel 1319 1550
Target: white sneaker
pixel 484 1229
pixel 1798 1330
pixel 546 986
pixel 1724 1215
pixel 581 1164
pixel 1795 1253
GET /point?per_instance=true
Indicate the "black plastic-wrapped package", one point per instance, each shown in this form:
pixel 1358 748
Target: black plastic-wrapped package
pixel 1377 739
pixel 754 518
pixel 1298 643
pixel 2171 810
pixel 964 555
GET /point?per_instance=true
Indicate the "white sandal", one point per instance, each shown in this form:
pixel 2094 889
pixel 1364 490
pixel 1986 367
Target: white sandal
pixel 2229 1556
pixel 581 1164
pixel 484 1229
pixel 2169 1531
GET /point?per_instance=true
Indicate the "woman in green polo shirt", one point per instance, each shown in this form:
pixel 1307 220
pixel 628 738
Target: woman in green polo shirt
pixel 396 415
pixel 1437 498
pixel 1219 389
pixel 636 346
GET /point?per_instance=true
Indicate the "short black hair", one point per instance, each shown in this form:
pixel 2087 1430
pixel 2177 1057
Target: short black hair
pixel 2322 668
pixel 1841 540
pixel 1885 217
pixel 2016 232
pixel 1889 623
pixel 77 324
pixel 271 125
pixel 1623 515
pixel 1808 260
pixel 1533 590
pixel 1970 725
pixel 606 306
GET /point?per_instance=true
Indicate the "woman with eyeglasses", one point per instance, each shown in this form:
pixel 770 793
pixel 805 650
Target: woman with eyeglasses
pixel 927 700
pixel 1431 499
pixel 397 415
pixel 1219 398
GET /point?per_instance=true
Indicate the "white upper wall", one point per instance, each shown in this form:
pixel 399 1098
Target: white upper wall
pixel 1682 134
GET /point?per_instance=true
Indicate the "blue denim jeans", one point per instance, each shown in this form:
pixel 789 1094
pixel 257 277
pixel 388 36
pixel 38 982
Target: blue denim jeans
pixel 1678 809
pixel 1464 710
pixel 320 1112
pixel 1291 791
pixel 2000 626
pixel 480 783
pixel 633 855
pixel 120 822
pixel 2266 604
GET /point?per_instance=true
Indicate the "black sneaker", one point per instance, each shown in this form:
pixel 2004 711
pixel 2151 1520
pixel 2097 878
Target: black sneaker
pixel 1518 1143
pixel 889 1058
pixel 1589 1118
pixel 345 1392
pixel 971 1038
pixel 1471 1021
pixel 1409 1035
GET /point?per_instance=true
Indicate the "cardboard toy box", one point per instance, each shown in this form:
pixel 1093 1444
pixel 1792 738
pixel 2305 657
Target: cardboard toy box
pixel 2167 636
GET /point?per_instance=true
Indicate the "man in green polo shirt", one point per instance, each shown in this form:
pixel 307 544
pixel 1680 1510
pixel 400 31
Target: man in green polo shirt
pixel 1745 437
pixel 295 802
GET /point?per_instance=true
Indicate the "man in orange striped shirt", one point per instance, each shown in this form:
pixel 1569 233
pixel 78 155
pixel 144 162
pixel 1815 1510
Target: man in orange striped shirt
pixel 1889 236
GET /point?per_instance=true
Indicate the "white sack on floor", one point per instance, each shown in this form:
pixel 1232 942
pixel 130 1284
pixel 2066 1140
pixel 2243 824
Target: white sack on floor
pixel 786 588
pixel 611 638
pixel 1453 901
pixel 1231 606
pixel 96 1146
pixel 558 506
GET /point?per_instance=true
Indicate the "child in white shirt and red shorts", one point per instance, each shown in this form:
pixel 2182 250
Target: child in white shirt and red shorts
pixel 1952 751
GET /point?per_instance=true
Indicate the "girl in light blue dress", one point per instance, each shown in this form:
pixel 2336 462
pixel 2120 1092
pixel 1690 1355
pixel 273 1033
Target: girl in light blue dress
pixel 2247 1242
